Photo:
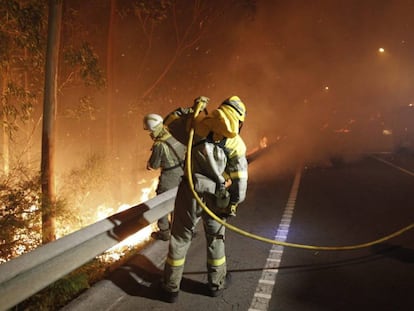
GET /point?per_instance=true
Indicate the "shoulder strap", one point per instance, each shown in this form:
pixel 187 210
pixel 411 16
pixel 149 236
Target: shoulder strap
pixel 209 139
pixel 180 161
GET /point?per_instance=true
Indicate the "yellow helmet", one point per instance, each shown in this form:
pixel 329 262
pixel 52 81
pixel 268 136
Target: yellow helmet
pixel 236 103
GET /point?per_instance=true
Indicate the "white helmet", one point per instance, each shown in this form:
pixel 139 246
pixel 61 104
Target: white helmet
pixel 152 121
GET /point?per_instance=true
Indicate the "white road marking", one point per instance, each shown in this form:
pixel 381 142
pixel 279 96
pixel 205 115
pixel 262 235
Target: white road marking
pixel 394 166
pixel 270 282
pixel 267 281
pixel 261 295
pixel 276 251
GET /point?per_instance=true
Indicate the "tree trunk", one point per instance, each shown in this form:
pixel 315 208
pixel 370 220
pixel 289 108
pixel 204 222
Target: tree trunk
pixel 49 118
pixel 4 129
pixel 110 79
pixel 29 123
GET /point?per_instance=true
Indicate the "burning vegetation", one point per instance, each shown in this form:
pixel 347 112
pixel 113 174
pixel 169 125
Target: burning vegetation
pixel 20 220
pixel 313 79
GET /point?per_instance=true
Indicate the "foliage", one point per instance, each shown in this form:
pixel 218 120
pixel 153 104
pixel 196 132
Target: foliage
pixel 12 112
pixel 85 60
pixel 22 26
pixel 58 294
pixel 20 193
pixel 78 55
pixel 86 109
pixel 185 23
pixel 22 36
pixel 84 190
pixel 20 214
pixel 149 9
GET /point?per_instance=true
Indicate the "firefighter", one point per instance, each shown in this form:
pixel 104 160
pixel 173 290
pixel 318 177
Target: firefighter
pixel 219 170
pixel 179 121
pixel 168 155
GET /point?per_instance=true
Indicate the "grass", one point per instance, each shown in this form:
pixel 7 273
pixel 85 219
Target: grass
pixel 63 291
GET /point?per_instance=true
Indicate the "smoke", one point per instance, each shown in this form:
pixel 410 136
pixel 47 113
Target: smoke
pixel 308 71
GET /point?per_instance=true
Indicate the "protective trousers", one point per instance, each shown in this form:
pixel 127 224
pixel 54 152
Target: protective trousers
pixel 187 213
pixel 168 180
pixel 163 223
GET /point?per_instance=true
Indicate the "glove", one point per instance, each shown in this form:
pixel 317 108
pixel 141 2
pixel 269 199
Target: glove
pixel 229 211
pixel 222 198
pixel 224 207
pixel 201 100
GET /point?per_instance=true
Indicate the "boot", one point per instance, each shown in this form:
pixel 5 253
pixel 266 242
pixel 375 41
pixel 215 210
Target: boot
pixel 216 292
pixel 163 235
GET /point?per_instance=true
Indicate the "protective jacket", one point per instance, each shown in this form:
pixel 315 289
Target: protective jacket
pixel 168 155
pixel 179 123
pixel 219 153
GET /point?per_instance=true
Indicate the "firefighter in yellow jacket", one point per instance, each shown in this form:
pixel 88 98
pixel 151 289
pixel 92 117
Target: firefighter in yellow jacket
pixel 219 168
pixel 168 155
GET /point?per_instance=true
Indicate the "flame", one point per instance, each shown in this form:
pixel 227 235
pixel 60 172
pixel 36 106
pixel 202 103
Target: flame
pixel 119 250
pixel 102 212
pixel 142 236
pixel 263 142
pixel 148 192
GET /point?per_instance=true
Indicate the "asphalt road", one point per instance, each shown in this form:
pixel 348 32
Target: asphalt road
pixel 354 202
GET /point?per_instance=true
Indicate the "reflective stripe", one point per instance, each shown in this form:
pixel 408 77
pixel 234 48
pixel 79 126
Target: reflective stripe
pixel 217 262
pixel 175 262
pixel 236 147
pixel 226 176
pixel 239 174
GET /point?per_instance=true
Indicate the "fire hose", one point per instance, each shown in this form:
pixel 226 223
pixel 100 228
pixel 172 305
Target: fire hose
pixel 261 238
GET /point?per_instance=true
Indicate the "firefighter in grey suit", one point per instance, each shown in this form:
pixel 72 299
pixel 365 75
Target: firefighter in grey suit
pixel 168 155
pixel 219 171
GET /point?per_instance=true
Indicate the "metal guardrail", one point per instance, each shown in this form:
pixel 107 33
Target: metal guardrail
pixel 29 273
